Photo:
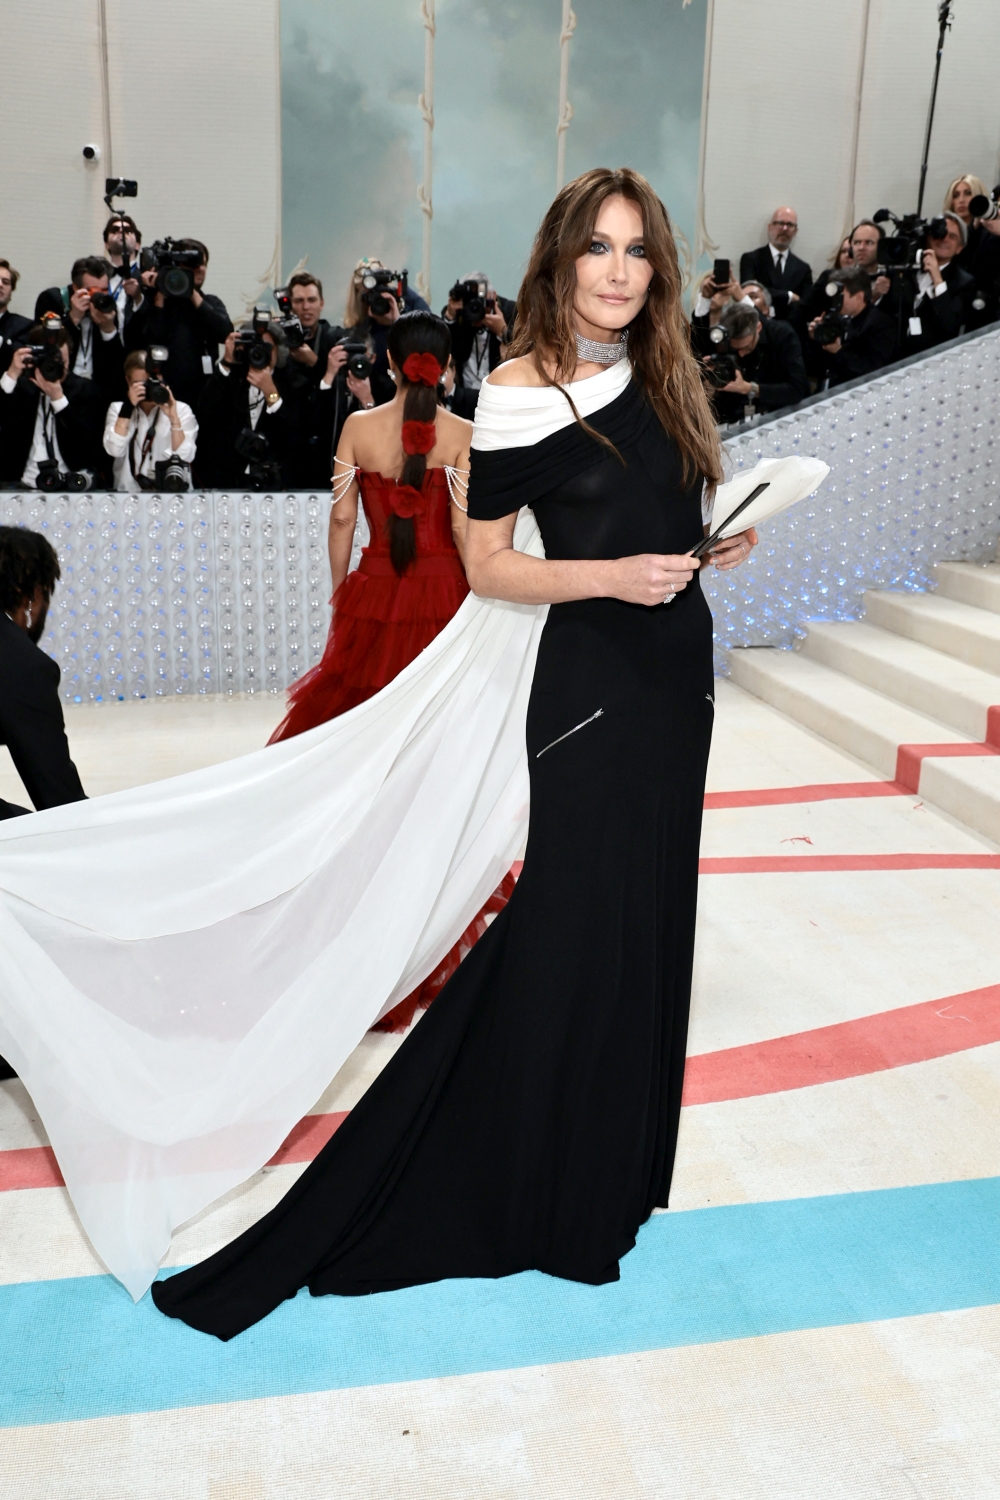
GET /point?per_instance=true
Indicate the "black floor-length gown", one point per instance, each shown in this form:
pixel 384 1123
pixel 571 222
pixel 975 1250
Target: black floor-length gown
pixel 529 1121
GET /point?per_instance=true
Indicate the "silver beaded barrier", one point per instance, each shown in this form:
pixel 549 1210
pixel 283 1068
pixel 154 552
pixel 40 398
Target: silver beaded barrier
pixel 217 593
pixel 914 456
pixel 182 593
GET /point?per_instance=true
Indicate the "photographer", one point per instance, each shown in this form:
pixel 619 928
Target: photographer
pixel 371 311
pixel 769 369
pixel 31 717
pixel 481 325
pixel 309 351
pixel 345 387
pixel 123 283
pixel 150 435
pixel 936 302
pixel 713 298
pixel 854 336
pixel 188 321
pixel 454 397
pixel 50 419
pixel 12 325
pixel 89 315
pixel 249 412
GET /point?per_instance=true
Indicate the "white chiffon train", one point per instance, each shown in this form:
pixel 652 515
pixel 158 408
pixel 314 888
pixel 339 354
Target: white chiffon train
pixel 185 966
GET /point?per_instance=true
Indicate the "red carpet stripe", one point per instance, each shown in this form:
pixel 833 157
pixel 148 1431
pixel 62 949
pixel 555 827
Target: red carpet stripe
pixel 805 864
pixel 910 757
pixel 775 796
pixel 873 1044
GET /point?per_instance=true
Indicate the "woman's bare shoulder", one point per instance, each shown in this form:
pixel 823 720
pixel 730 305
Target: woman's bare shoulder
pixel 458 428
pixel 521 371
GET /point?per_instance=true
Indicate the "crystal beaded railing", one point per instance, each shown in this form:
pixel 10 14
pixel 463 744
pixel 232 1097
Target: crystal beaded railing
pixel 914 459
pixel 217 593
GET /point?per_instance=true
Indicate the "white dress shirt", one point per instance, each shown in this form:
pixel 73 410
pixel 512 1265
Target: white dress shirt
pixel 780 259
pixel 160 448
pixel 45 418
pixel 83 364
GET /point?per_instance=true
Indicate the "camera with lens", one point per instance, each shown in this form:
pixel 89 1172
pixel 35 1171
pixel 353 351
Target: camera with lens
pixel 47 357
pixel 172 474
pixel 295 334
pixel 376 284
pixel 475 303
pixel 102 302
pixel 250 347
pixel 262 473
pixel 358 364
pixel 718 362
pixel 174 265
pixel 155 389
pixel 833 324
pixel 904 249
pixel 981 207
pixel 51 477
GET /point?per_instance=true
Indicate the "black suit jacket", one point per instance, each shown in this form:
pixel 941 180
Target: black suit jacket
pixel 79 426
pixel 869 344
pixel 12 330
pixel 463 334
pixel 776 365
pixel 941 318
pixel 108 354
pixel 31 723
pixel 981 258
pixel 224 411
pixel 758 265
pixel 190 335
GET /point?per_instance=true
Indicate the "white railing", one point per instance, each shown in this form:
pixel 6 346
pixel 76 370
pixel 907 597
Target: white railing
pixel 914 456
pixel 216 593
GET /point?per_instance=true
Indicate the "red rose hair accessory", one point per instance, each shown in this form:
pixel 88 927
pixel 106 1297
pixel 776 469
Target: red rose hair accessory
pixel 407 501
pixel 418 437
pixel 421 369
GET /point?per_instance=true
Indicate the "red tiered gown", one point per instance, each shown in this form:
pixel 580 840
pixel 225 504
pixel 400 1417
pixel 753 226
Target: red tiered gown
pixel 381 621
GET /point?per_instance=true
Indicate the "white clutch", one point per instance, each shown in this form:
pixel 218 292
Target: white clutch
pixel 787 481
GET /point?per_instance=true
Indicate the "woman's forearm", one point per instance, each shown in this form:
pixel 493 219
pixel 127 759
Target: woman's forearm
pixel 341 540
pixel 520 579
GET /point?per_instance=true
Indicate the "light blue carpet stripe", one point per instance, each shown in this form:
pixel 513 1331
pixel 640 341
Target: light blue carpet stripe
pixel 78 1348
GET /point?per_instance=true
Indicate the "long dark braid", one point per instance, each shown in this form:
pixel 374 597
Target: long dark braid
pixel 415 333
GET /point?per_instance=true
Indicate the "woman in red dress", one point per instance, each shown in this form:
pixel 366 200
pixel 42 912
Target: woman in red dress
pixel 411 579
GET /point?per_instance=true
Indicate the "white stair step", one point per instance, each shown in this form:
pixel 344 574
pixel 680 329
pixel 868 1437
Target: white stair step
pixel 967 789
pixel 929 681
pixel 960 630
pixel 863 722
pixel 970 583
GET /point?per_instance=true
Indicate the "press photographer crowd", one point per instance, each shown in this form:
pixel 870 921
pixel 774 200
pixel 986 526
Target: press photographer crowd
pixel 132 376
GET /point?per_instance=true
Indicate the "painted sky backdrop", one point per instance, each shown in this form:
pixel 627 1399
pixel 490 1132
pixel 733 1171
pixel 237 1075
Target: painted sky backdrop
pixel 352 132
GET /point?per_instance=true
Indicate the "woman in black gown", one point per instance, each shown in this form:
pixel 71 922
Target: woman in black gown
pixel 529 1121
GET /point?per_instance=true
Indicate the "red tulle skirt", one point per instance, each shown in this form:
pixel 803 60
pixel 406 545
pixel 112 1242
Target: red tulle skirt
pixel 382 622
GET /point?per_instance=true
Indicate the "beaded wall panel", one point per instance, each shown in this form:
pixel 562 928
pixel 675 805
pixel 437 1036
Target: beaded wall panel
pixel 914 457
pixel 216 593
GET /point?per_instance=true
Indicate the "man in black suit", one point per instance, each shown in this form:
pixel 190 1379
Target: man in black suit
pixel 31 717
pixel 12 325
pixel 250 419
pixel 770 373
pixel 478 339
pixel 190 328
pixel 44 419
pixel 88 313
pixel 937 301
pixel 866 342
pixel 786 276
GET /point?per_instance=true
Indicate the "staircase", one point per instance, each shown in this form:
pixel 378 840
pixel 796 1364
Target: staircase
pixel 913 689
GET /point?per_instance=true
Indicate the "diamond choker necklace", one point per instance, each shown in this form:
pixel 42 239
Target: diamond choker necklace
pixel 595 353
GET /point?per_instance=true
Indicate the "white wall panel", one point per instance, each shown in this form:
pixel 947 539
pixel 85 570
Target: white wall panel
pixel 195 117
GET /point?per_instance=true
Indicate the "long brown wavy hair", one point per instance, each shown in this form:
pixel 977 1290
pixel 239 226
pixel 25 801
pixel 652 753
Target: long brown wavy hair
pixel 658 339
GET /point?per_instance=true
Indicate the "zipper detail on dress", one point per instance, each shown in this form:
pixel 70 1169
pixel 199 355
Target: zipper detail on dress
pixel 570 731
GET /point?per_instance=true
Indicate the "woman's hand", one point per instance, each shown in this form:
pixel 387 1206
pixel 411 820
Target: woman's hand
pixel 651 578
pixel 733 550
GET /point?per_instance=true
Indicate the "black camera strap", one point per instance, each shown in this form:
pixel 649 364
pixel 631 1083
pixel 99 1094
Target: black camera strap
pixel 147 442
pixel 48 427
